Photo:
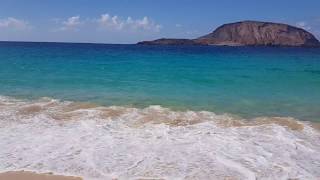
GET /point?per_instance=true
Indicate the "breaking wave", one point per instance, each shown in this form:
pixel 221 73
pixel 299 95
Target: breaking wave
pixel 98 142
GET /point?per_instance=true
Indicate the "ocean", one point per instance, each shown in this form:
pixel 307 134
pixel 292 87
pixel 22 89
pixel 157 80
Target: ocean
pixel 175 112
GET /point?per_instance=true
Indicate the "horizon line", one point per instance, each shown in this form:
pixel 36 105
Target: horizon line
pixel 65 42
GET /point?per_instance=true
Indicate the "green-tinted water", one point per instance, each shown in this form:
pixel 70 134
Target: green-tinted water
pixel 244 81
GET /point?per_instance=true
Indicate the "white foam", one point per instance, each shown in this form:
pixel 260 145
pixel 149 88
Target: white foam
pixel 129 143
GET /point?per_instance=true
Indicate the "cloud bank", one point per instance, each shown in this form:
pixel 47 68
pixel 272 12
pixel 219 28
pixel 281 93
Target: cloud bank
pixel 109 23
pixel 72 23
pixel 115 23
pixel 11 23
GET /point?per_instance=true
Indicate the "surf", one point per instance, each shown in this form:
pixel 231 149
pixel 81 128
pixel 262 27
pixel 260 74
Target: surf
pixel 105 142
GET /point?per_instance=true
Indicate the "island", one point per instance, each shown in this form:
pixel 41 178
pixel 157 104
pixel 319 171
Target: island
pixel 167 41
pixel 248 33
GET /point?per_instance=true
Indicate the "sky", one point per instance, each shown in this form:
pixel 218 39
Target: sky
pixel 130 21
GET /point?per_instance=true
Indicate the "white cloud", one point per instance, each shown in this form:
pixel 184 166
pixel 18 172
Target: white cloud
pixel 115 23
pixel 108 21
pixel 72 23
pixel 14 24
pixel 303 25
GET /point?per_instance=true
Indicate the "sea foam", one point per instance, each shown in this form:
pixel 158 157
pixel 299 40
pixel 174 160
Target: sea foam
pixel 82 139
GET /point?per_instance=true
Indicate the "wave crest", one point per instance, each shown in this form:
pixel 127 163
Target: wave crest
pixel 99 142
pixel 67 110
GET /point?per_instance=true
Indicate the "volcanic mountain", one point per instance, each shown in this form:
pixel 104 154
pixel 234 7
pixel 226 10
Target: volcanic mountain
pixel 248 33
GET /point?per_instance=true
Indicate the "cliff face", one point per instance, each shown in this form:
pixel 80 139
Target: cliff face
pixel 249 33
pixel 253 33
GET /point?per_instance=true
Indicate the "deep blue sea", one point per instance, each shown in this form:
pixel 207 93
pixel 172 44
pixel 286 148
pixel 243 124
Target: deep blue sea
pixel 243 81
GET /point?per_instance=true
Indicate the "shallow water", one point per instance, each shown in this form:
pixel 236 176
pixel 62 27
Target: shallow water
pixel 96 142
pixel 247 82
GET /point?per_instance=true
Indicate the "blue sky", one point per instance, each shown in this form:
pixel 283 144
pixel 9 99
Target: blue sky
pixel 129 21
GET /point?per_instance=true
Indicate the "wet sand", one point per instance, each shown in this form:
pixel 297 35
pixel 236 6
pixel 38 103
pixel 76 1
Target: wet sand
pixel 24 175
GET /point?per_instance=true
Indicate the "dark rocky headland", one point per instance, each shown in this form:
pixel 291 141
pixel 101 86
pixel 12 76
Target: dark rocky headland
pixel 248 33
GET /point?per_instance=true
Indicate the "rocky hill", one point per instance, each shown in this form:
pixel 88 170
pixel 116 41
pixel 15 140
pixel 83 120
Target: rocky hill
pixel 249 33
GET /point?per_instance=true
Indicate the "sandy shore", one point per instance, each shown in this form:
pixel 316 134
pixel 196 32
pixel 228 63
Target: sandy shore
pixel 24 175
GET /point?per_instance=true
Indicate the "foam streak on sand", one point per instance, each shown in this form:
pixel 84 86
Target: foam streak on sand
pixel 49 135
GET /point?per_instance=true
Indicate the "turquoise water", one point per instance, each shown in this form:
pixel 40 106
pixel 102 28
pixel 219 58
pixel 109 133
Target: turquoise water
pixel 248 82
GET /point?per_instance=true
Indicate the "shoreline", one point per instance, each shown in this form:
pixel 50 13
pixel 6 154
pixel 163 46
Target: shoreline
pixel 68 109
pixel 29 175
pixel 75 139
